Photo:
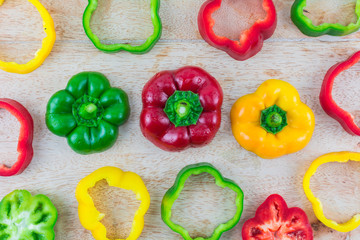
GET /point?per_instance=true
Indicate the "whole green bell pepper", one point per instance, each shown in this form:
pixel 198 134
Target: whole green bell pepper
pixel 88 113
pixel 174 192
pixel 24 217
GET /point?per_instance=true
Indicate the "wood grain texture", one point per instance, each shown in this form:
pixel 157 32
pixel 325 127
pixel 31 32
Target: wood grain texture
pixel 288 55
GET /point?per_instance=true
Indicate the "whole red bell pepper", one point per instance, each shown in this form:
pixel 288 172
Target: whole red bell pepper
pixel 274 220
pixel 250 41
pixel 24 147
pixel 181 108
pixel 345 118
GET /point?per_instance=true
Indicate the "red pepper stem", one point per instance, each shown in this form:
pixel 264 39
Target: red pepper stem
pixel 183 108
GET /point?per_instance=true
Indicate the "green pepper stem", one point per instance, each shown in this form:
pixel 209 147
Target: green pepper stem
pixel 88 110
pixel 273 119
pixel 183 108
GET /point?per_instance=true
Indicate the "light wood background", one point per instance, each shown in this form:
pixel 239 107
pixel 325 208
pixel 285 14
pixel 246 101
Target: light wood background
pixel 288 55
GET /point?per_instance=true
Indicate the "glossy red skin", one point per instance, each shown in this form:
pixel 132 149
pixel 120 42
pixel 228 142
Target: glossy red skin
pixel 156 126
pixel 327 102
pixel 250 41
pixel 24 147
pixel 274 220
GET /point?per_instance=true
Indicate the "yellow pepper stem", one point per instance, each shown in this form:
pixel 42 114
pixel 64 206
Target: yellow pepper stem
pixel 41 54
pixel 273 119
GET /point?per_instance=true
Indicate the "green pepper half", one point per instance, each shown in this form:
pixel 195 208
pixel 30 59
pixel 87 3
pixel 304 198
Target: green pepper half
pixel 26 217
pixel 88 112
pixel 306 26
pixel 173 193
pixel 143 48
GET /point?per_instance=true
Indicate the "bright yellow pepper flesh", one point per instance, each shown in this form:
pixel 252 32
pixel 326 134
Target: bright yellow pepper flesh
pixel 294 133
pixel 341 157
pixel 41 54
pixel 90 217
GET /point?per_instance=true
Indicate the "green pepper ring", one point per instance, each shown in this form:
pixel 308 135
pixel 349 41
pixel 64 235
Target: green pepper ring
pixel 173 193
pixel 144 48
pixel 306 26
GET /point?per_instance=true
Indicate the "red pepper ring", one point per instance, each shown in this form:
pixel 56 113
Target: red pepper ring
pixel 24 147
pixel 345 118
pixel 250 41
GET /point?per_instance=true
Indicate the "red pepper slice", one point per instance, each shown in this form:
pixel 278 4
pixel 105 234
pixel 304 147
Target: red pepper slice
pixel 274 220
pixel 250 41
pixel 24 147
pixel 173 124
pixel 345 118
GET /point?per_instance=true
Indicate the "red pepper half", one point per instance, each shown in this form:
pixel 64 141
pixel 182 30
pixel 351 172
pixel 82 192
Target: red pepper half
pixel 274 220
pixel 250 41
pixel 24 147
pixel 345 118
pixel 181 108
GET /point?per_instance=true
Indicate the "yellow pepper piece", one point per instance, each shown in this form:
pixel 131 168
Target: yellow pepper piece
pixel 90 217
pixel 41 54
pixel 290 134
pixel 341 157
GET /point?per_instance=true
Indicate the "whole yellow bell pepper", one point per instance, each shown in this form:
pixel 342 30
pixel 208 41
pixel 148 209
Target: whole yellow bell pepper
pixel 90 217
pixel 41 54
pixel 341 157
pixel 272 121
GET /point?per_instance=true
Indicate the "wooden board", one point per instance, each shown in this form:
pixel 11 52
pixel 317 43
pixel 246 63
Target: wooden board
pixel 288 55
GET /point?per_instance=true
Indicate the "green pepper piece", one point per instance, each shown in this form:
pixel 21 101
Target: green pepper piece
pixel 173 193
pixel 306 26
pixel 25 217
pixel 141 49
pixel 88 113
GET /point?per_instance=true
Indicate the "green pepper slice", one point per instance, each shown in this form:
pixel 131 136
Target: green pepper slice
pixel 173 193
pixel 25 217
pixel 306 26
pixel 88 113
pixel 141 49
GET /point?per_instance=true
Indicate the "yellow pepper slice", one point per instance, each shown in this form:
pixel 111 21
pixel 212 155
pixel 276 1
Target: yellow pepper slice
pixel 90 217
pixel 41 54
pixel 272 121
pixel 341 157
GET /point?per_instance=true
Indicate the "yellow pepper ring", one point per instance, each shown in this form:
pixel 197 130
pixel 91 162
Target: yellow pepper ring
pixel 41 54
pixel 90 217
pixel 341 157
